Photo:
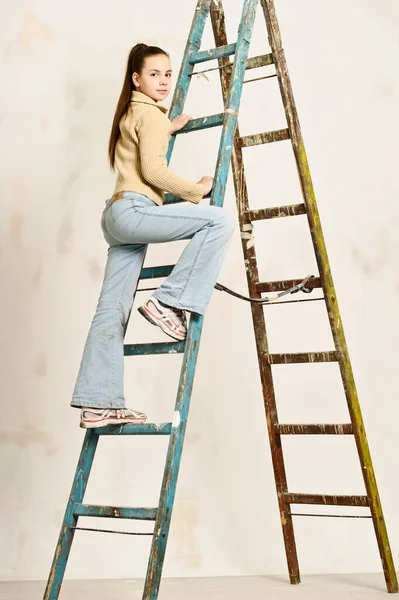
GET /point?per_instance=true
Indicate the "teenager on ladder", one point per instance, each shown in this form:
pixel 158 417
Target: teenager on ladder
pixel 135 217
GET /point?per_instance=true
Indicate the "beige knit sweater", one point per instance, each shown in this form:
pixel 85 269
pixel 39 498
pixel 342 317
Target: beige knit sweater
pixel 140 154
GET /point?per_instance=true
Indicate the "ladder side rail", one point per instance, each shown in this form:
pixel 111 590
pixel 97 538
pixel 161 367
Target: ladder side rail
pixel 172 464
pixel 173 459
pixel 233 102
pixel 70 519
pixel 186 68
pixel 265 369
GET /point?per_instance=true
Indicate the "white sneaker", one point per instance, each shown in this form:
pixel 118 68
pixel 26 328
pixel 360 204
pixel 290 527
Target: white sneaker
pixel 171 320
pixel 100 417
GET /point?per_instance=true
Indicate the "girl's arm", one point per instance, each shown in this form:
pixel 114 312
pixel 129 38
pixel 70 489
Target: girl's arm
pixel 152 131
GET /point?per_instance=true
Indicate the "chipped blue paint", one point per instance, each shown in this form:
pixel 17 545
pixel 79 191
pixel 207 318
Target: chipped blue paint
pixel 156 348
pixel 233 101
pixel 202 123
pixel 213 53
pixel 192 47
pixel 154 272
pixel 115 512
pixel 138 429
pixel 172 199
pixel 168 489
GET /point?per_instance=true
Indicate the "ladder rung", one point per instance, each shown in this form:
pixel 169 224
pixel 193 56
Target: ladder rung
pixel 172 199
pixel 276 212
pixel 301 357
pixel 264 138
pixel 154 272
pixel 114 512
pixel 110 531
pixel 252 63
pixel 135 429
pixel 157 348
pixel 260 61
pixel 326 500
pixel 281 286
pixel 255 62
pixel 331 516
pixel 314 429
pixel 202 123
pixel 205 55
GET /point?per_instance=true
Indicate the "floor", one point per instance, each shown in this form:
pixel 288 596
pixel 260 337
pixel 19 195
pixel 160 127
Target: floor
pixel 313 587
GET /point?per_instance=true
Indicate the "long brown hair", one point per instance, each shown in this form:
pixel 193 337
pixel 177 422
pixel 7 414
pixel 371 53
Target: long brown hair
pixel 135 64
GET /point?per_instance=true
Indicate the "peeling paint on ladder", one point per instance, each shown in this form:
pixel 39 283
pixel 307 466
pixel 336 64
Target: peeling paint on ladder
pixel 176 419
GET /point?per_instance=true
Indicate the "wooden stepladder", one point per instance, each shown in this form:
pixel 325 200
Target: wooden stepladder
pixel 231 149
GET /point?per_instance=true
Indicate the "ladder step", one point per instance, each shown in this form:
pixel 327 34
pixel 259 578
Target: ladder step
pixel 172 199
pixel 263 60
pixel 260 61
pixel 157 348
pixel 281 286
pixel 114 512
pixel 326 500
pixel 301 357
pixel 202 123
pixel 314 429
pixel 252 63
pixel 264 138
pixel 205 55
pixel 154 272
pixel 135 429
pixel 276 212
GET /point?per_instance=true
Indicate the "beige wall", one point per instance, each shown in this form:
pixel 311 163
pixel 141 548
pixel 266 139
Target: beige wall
pixel 63 65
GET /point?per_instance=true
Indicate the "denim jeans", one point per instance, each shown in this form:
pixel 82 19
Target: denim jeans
pixel 129 225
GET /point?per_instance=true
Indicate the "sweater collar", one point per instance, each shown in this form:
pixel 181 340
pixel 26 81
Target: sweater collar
pixel 144 99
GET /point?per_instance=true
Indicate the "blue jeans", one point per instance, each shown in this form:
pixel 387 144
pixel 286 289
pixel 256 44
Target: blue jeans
pixel 129 225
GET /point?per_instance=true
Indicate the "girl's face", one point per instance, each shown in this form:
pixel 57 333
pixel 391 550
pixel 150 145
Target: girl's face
pixel 155 77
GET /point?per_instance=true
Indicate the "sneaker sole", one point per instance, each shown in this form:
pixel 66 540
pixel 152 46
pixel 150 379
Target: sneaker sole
pixel 105 422
pixel 153 320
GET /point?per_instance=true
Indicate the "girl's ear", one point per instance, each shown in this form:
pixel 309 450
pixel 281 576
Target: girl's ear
pixel 135 79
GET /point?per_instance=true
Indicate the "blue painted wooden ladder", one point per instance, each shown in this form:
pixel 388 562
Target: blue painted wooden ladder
pixel 176 429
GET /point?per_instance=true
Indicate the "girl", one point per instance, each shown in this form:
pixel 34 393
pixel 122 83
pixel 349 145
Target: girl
pixel 133 218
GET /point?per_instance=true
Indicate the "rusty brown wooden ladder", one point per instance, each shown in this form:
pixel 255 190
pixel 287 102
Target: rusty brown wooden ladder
pixel 266 359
